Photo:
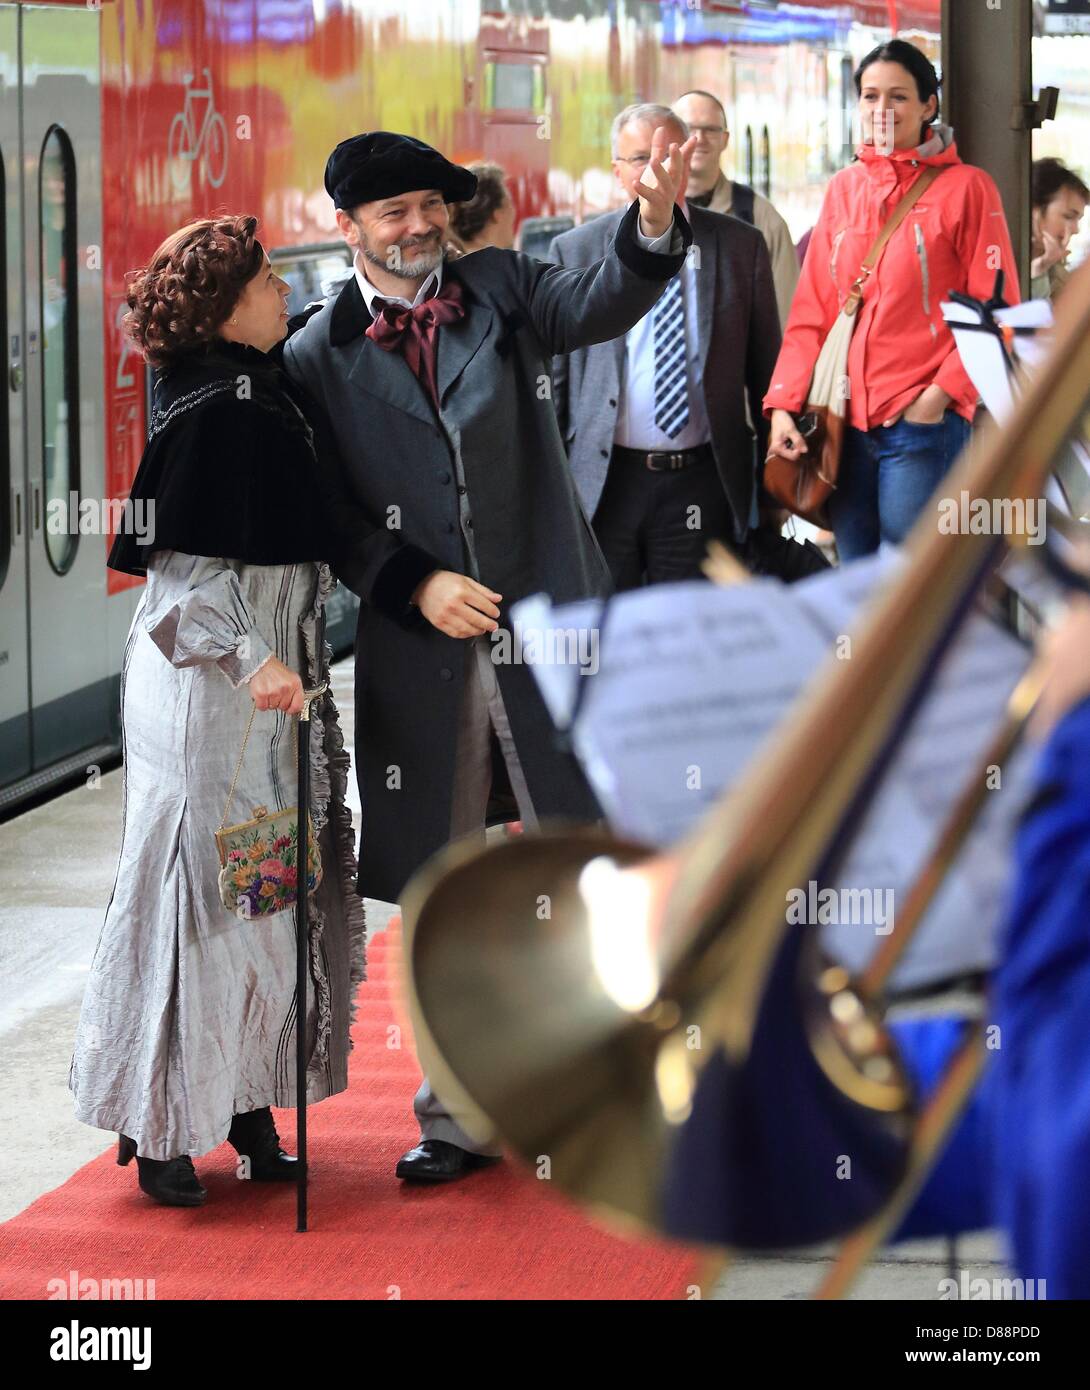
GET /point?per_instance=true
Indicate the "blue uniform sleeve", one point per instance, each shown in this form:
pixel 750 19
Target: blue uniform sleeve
pixel 1042 1098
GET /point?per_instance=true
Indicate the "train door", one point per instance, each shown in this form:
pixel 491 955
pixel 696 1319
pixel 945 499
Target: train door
pixel 66 517
pixel 14 648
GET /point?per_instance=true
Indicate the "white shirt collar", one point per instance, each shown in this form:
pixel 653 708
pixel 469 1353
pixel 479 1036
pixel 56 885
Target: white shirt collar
pixel 431 286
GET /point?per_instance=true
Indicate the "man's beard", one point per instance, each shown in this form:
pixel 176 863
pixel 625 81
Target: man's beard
pixel 421 266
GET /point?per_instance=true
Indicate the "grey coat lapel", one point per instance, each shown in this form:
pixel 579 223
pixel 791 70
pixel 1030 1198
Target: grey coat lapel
pixel 387 376
pixel 618 357
pixel 460 341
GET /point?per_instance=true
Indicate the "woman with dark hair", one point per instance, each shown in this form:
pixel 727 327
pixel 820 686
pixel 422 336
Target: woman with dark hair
pixel 1059 200
pixel 910 401
pixel 187 1032
pixel 488 218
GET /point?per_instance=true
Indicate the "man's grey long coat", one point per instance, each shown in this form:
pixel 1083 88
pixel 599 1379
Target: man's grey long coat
pixel 531 532
pixel 739 331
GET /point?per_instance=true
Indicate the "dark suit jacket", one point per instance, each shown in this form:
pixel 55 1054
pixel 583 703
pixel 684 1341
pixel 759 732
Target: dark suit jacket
pixel 493 369
pixel 739 331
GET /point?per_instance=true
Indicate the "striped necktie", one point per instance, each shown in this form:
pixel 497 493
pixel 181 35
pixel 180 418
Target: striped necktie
pixel 671 368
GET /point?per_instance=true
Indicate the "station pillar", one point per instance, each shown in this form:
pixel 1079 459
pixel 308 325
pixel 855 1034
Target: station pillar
pixel 987 96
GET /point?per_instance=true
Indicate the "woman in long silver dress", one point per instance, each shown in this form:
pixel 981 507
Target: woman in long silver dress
pixel 187 1032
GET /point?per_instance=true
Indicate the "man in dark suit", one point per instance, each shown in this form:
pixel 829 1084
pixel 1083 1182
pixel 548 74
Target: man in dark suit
pixel 433 377
pixel 655 421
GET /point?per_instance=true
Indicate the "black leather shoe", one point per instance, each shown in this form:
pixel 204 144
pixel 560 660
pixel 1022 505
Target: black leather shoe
pixel 254 1137
pixel 434 1160
pixel 172 1182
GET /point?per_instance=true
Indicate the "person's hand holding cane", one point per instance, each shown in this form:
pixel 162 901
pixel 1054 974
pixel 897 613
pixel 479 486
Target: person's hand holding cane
pixel 274 686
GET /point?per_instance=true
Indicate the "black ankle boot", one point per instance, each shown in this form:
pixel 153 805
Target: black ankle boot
pixel 173 1181
pixel 254 1137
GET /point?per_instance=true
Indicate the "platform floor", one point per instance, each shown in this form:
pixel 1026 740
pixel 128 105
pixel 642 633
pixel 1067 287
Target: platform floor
pixel 57 865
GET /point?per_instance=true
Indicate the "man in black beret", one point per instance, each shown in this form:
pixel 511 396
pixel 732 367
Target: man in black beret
pixel 434 377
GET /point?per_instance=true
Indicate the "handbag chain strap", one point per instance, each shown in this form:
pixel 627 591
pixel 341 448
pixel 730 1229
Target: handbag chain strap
pixel 238 765
pixel 309 696
pixel 900 212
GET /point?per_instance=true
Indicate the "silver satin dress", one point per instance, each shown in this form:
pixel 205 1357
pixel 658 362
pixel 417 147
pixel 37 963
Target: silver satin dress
pixel 190 1010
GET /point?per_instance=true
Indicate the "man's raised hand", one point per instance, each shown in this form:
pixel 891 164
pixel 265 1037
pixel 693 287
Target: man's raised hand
pixel 663 182
pixel 456 604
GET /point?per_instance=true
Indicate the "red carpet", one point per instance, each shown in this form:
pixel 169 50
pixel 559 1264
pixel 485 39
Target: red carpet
pixel 499 1234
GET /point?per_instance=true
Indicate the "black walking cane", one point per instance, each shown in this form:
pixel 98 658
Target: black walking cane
pixel 302 954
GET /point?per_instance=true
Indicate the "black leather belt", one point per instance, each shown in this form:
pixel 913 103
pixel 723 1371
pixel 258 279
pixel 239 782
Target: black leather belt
pixel 664 463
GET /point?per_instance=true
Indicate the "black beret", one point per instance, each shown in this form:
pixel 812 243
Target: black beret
pixel 379 164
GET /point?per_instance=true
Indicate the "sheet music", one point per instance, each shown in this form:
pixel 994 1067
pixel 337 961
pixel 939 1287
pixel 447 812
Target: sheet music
pixel 982 354
pixel 692 681
pixel 1071 479
pixel 947 742
pixel 833 598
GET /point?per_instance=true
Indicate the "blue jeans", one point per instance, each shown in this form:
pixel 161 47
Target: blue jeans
pixel 886 478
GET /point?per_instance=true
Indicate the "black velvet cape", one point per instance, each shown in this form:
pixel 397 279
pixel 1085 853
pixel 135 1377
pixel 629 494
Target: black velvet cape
pixel 233 466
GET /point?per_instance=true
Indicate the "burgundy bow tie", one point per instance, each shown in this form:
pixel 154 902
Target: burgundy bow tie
pixel 415 331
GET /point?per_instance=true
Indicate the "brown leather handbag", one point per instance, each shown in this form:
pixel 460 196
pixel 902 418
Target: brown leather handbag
pixel 804 485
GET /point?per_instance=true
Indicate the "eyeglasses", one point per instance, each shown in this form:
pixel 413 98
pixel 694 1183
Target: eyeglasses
pixel 638 161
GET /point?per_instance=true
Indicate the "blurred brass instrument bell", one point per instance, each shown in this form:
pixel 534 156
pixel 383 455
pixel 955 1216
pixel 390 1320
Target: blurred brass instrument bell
pixel 551 999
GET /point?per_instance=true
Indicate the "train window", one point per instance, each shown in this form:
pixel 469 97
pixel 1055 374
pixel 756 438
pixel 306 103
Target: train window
pixel 313 272
pixel 536 234
pixel 5 440
pixel 749 156
pixel 59 333
pixel 513 87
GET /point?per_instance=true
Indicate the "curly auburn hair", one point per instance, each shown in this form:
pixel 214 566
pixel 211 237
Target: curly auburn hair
pixel 190 286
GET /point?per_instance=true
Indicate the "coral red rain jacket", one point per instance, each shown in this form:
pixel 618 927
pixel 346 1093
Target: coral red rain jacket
pixel 955 238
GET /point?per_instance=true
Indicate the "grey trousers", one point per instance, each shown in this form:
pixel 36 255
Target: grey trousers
pixel 482 711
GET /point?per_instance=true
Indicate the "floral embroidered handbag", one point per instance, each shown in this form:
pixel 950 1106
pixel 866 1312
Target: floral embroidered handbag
pixel 259 871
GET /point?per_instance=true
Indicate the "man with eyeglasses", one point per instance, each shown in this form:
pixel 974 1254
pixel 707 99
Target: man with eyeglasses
pixel 710 188
pixel 657 422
